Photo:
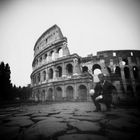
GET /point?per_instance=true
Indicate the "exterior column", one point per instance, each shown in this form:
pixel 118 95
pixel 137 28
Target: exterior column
pixel 103 67
pixel 63 92
pixel 122 74
pixel 76 67
pixel 75 92
pixel 65 49
pixel 47 75
pixel 49 57
pixel 45 94
pixel 54 73
pixel 41 77
pixel 131 75
pixel 53 95
pixel 55 55
pixel 88 89
pixel 63 70
pixel 123 78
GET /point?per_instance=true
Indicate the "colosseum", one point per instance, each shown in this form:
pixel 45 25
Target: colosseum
pixel 60 76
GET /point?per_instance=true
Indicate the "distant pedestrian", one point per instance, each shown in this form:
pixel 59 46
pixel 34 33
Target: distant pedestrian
pixel 102 93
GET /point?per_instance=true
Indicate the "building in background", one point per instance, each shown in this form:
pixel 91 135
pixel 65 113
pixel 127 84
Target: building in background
pixel 60 76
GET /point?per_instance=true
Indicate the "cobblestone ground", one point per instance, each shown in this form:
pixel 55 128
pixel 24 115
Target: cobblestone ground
pixel 68 121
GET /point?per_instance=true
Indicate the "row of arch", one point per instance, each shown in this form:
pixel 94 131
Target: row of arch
pixel 49 56
pixel 51 73
pixel 59 71
pixel 127 71
pixel 117 71
pixel 58 94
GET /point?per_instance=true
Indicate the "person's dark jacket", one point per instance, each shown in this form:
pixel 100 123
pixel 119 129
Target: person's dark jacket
pixel 105 89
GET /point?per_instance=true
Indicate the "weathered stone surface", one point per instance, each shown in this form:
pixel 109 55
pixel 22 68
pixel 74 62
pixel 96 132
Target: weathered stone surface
pixel 51 119
pixel 19 121
pixel 86 126
pixel 39 118
pixel 19 118
pixel 44 129
pixel 122 123
pixel 24 114
pixel 67 120
pixel 8 133
pixel 90 117
pixel 119 135
pixel 39 114
pixel 82 137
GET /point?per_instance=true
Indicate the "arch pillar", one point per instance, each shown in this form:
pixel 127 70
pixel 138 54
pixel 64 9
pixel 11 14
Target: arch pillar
pixel 63 92
pixel 41 76
pixel 55 55
pixel 63 70
pixel 75 92
pixel 132 75
pixel 53 94
pixel 54 73
pixel 122 74
pixel 65 49
pixel 88 89
pixel 123 78
pixel 76 67
pixel 47 77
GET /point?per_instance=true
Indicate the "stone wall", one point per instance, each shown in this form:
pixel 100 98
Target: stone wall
pixel 58 75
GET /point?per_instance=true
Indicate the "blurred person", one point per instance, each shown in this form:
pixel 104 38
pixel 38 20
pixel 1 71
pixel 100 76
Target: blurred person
pixel 102 93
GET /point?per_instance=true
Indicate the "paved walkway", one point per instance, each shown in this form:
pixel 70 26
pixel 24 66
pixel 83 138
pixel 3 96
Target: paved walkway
pixel 68 121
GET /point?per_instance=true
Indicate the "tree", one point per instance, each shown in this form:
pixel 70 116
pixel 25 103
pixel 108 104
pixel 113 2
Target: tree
pixel 5 82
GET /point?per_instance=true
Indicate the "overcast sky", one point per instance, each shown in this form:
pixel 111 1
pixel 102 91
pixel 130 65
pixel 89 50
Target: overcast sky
pixel 89 25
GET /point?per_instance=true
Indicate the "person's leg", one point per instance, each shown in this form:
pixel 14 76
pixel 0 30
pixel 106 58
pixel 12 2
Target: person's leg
pixel 107 101
pixel 97 105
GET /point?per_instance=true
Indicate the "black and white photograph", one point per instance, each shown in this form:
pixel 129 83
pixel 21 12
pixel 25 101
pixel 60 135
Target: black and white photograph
pixel 69 69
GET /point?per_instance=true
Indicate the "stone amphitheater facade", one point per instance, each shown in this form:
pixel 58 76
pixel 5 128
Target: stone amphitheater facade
pixel 60 76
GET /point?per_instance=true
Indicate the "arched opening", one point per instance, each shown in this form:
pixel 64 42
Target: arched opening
pixel 69 93
pixel 60 52
pixel 82 93
pixel 36 63
pixel 69 69
pixel 84 69
pixel 50 73
pixel 40 60
pixel 59 70
pixel 38 77
pixel 130 90
pixel 127 73
pixel 118 71
pixel 96 69
pixel 124 61
pixel 52 55
pixel 45 57
pixel 135 72
pixel 44 75
pixel 58 94
pixel 50 94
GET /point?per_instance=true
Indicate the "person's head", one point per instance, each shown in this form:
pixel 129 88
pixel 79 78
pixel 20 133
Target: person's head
pixel 101 77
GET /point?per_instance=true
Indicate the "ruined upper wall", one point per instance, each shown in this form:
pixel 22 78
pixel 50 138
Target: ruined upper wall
pixel 51 36
pixel 119 53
